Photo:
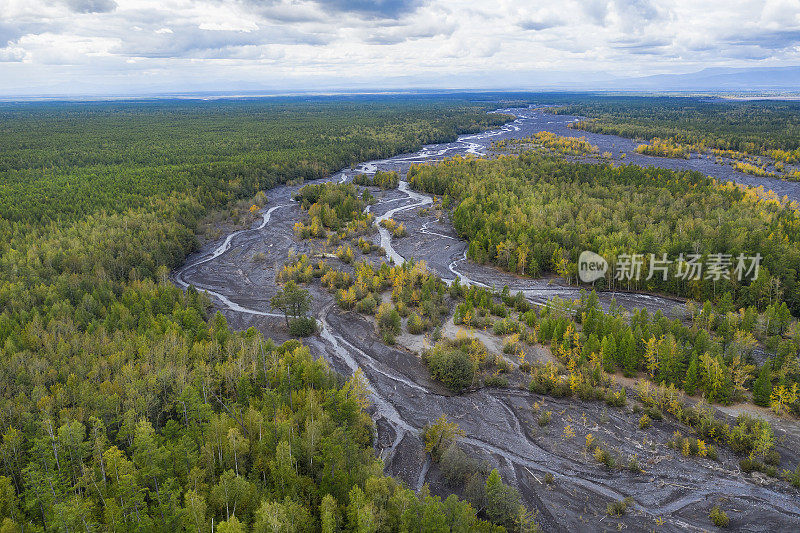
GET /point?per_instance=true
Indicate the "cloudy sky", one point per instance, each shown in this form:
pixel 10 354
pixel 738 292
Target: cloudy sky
pixel 140 46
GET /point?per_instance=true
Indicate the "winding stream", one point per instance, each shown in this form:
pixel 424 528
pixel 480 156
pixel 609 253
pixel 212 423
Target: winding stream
pixel 500 426
pixel 386 237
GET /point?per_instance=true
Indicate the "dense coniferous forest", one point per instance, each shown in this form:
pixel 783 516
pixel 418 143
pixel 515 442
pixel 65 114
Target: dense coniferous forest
pixel 765 127
pixel 124 406
pixel 534 214
pixel 62 161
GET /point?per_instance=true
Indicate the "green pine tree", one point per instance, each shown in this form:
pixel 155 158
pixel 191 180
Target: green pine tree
pixel 629 356
pixel 762 387
pixel 328 513
pixel 692 380
pixel 502 502
pixel 608 351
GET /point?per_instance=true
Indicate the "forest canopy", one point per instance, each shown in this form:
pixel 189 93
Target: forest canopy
pixel 763 127
pixel 534 215
pixel 124 406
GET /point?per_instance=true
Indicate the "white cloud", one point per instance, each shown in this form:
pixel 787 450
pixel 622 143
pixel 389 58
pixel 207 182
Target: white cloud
pixel 132 45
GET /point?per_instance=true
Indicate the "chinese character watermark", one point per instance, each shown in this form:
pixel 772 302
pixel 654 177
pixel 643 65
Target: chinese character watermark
pixel 687 267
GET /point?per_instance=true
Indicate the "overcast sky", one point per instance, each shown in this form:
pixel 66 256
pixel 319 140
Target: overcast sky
pixel 135 46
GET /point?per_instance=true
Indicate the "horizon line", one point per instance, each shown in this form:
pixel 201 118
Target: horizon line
pixel 209 95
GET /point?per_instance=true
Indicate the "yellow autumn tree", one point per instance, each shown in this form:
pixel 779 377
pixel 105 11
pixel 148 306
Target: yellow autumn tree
pixel 651 356
pixel 357 389
pixel 782 398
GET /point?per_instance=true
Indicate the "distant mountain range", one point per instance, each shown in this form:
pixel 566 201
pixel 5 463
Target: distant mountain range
pixel 718 79
pixel 714 79
pixel 774 82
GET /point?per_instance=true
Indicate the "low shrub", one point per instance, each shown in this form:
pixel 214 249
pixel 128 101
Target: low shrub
pixel 367 305
pixel 415 324
pixel 496 381
pixel 719 517
pixel 302 327
pixel 633 465
pixel 544 418
pixel 793 477
pixel 452 364
pixel 604 456
pixel 620 507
